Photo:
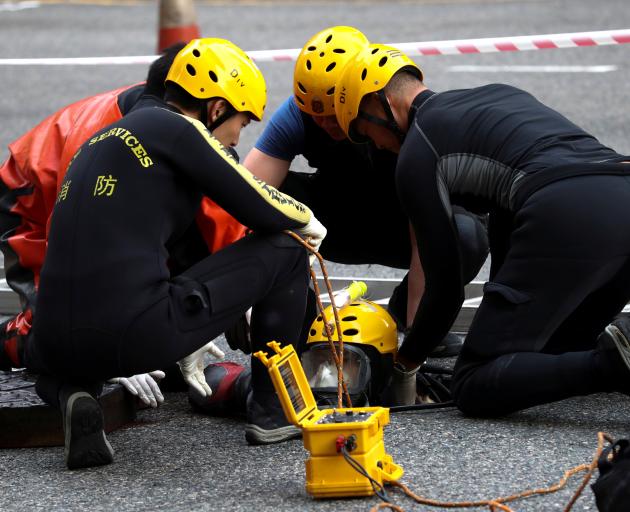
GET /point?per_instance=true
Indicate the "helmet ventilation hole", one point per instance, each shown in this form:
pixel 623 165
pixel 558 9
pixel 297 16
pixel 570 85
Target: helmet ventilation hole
pixel 364 74
pixel 201 89
pixel 349 318
pixel 329 38
pixel 374 51
pixel 301 88
pixel 300 100
pixel 196 53
pixel 339 50
pixel 319 318
pixel 191 70
pixel 321 54
pixel 312 48
pixel 330 91
pixel 330 67
pixel 382 62
pixel 351 332
pixel 313 332
pixel 213 76
pixel 308 65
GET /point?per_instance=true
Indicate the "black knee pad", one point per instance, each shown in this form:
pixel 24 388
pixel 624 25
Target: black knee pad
pixel 473 238
pixel 191 303
pixel 462 389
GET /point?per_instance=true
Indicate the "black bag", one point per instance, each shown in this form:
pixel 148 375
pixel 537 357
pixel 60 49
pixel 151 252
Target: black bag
pixel 612 488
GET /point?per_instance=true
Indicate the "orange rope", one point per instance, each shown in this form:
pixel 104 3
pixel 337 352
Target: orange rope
pixel 341 384
pixel 337 355
pixel 499 503
pixel 492 504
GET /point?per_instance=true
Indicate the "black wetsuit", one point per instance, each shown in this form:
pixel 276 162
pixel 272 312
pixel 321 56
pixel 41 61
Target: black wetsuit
pixel 558 202
pixel 353 193
pixel 107 304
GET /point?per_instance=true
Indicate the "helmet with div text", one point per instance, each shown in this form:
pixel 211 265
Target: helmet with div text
pixel 370 71
pixel 319 65
pixel 216 68
pixel 370 342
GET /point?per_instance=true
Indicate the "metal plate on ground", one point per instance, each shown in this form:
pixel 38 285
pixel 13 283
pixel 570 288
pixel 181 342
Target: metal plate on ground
pixel 9 300
pixel 381 289
pixel 26 421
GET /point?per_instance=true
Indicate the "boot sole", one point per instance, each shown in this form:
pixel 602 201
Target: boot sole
pixel 85 442
pixel 621 342
pixel 256 435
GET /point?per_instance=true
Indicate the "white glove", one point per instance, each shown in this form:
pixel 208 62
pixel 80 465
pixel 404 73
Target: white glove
pixel 192 367
pixel 144 386
pixel 313 233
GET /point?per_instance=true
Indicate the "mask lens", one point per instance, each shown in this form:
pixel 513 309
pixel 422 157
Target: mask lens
pixel 321 371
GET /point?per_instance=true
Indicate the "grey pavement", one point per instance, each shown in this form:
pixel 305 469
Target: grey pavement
pixel 173 459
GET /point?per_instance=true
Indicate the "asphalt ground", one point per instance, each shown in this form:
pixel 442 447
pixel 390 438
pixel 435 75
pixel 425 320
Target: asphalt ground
pixel 173 459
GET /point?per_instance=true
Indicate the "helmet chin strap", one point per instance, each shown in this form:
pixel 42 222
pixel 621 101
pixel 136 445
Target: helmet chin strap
pixel 229 112
pixel 203 116
pixel 389 123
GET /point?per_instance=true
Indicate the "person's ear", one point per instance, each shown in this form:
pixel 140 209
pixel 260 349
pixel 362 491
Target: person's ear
pixel 213 110
pixel 218 109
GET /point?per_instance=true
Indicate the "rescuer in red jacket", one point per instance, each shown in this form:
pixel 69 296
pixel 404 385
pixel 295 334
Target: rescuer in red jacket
pixel 29 183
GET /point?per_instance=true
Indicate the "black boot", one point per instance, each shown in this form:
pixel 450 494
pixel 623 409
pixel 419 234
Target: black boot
pixel 6 364
pixel 85 442
pixel 266 421
pixel 230 384
pixel 613 349
pixel 11 349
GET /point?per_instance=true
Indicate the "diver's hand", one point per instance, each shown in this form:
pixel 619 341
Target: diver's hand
pixel 192 367
pixel 144 386
pixel 313 233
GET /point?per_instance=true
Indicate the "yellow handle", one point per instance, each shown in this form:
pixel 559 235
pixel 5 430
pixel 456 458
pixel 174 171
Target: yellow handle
pixel 357 289
pixel 390 472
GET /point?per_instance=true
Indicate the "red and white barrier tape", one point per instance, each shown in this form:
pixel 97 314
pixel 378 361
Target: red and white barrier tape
pixel 454 47
pixel 517 44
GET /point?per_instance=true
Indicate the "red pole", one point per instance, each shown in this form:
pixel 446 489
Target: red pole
pixel 177 23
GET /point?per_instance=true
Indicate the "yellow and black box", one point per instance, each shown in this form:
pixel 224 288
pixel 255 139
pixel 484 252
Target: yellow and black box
pixel 328 473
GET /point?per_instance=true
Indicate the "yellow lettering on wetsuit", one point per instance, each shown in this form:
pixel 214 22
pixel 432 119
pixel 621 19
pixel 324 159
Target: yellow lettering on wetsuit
pixel 130 140
pixel 63 192
pixel 105 185
pixel 285 204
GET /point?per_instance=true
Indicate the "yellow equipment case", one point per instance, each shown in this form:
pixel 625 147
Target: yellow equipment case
pixel 328 433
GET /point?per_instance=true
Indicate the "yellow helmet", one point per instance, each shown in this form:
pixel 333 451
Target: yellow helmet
pixel 319 65
pixel 370 71
pixel 216 68
pixel 363 322
pixel 370 347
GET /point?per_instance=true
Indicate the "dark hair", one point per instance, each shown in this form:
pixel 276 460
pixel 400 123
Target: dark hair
pixel 402 79
pixel 178 95
pixel 159 69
